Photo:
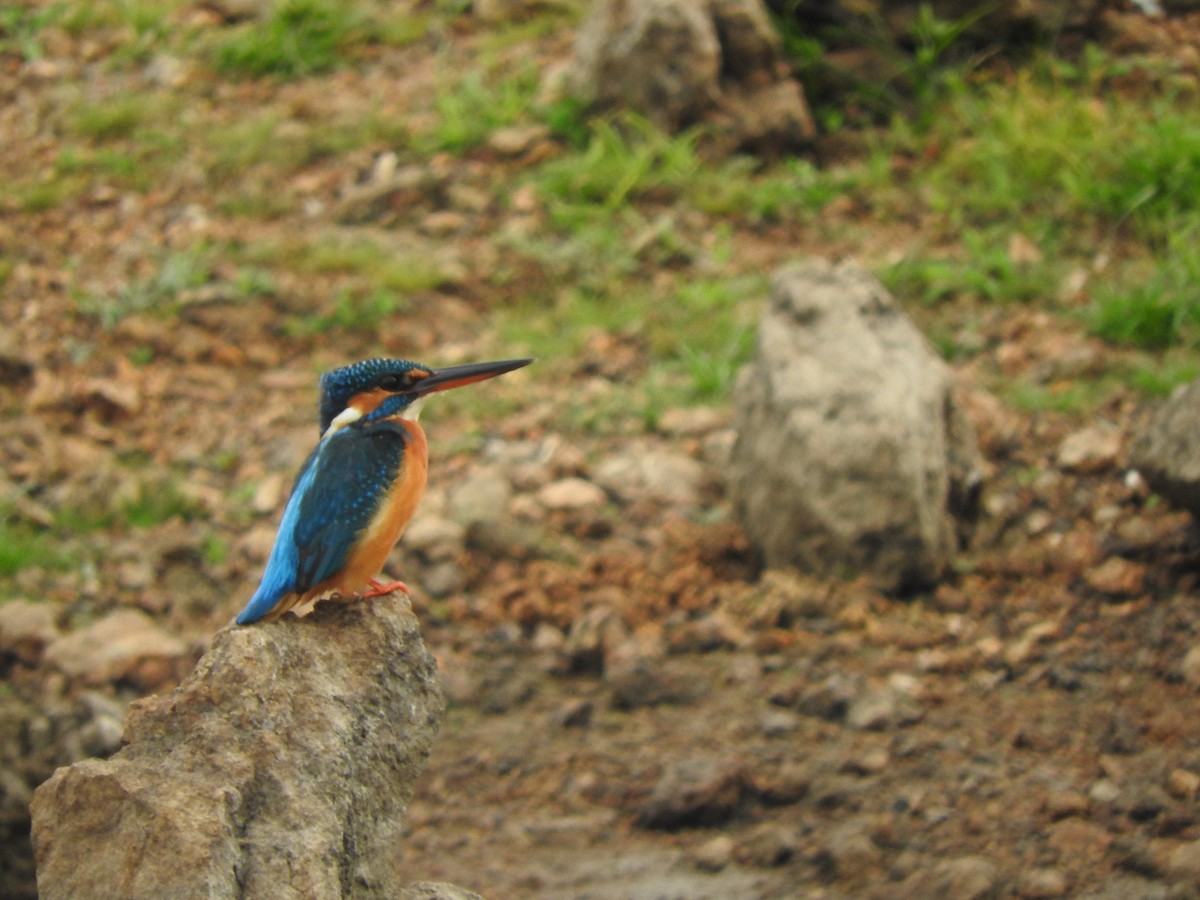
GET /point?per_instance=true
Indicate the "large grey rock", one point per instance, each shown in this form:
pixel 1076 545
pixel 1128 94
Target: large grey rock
pixel 851 456
pixel 1167 450
pixel 279 768
pixel 679 62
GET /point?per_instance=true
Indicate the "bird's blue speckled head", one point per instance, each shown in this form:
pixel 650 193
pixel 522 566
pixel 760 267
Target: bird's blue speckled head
pixel 389 377
pixel 374 389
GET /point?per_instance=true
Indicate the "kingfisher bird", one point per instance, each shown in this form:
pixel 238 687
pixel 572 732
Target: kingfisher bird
pixel 360 485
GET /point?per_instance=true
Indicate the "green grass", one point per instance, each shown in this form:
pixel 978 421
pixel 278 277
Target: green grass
pixel 986 271
pixel 1154 303
pixel 471 106
pixel 170 287
pixel 351 312
pixel 298 38
pixel 21 28
pixel 380 262
pixel 26 546
pixel 626 159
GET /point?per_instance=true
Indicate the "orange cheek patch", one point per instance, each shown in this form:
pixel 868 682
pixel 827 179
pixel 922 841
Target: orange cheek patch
pixel 368 401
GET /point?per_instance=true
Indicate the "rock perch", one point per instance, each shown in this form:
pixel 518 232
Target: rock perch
pixel 280 768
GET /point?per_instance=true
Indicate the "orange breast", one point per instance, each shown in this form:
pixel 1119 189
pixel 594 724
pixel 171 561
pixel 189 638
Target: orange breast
pixel 388 524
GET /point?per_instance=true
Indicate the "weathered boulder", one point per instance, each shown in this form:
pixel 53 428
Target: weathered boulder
pixel 279 768
pixel 852 455
pixel 680 62
pixel 1167 450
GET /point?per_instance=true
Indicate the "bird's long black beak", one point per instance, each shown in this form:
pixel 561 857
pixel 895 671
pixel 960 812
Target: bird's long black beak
pixel 457 376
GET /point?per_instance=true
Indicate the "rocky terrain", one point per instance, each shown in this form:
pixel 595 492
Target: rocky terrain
pixel 636 706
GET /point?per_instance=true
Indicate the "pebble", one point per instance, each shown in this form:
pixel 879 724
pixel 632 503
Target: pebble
pixel 777 723
pixel 964 878
pixel 594 636
pixel 638 679
pixel 831 698
pixel 1089 450
pixel 1116 577
pixel 769 845
pixel 576 713
pixel 693 792
pixel 27 628
pixel 1189 666
pixel 1103 792
pixel 1041 882
pixel 782 786
pixel 714 854
pixel 1183 865
pixel 883 709
pixel 482 496
pixel 571 494
pixel 516 139
pixel 653 474
pixel 435 538
pixel 1078 838
pixel 124 645
pixel 848 849
pixel 1183 784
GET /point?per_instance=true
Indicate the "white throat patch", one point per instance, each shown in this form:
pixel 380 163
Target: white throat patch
pixel 342 419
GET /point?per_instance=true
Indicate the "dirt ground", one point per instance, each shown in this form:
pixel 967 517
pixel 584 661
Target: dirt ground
pixel 636 709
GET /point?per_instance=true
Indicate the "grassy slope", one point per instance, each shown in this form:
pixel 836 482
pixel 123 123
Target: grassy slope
pixel 175 163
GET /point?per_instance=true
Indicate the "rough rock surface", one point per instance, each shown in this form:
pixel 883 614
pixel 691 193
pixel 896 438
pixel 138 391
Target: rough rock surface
pixel 851 455
pixel 726 67
pixel 279 768
pixel 1167 450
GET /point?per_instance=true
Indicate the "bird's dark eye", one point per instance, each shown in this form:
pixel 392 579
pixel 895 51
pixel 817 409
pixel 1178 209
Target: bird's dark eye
pixel 391 382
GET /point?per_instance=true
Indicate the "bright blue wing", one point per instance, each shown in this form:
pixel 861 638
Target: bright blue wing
pixel 337 492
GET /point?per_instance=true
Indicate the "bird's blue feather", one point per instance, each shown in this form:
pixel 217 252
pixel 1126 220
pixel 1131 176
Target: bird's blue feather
pixel 279 579
pixel 337 493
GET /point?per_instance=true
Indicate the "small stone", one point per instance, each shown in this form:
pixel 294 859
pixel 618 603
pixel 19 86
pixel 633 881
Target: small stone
pixel 965 878
pixel 1189 666
pixel 691 420
pixel 867 762
pixel 777 723
pixel 572 493
pixel 832 697
pixel 1078 838
pixel 882 709
pixel 641 679
pixel 693 792
pixel 27 628
pixel 435 538
pixel 1117 577
pixel 1041 883
pixel 575 713
pixel 781 787
pixel 1183 865
pixel 124 645
pixel 713 855
pixel 436 890
pixel 1103 792
pixel 653 474
pixel 1062 803
pixel 483 496
pixel 594 636
pixel 848 849
pixel 1089 450
pixel 1183 784
pixel 516 139
pixel 443 222
pixel 768 846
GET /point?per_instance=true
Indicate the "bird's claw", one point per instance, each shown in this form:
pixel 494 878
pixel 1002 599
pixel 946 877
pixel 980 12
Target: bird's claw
pixel 381 588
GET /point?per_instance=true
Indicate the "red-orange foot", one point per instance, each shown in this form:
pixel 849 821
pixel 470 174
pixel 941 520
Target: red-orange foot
pixel 380 588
